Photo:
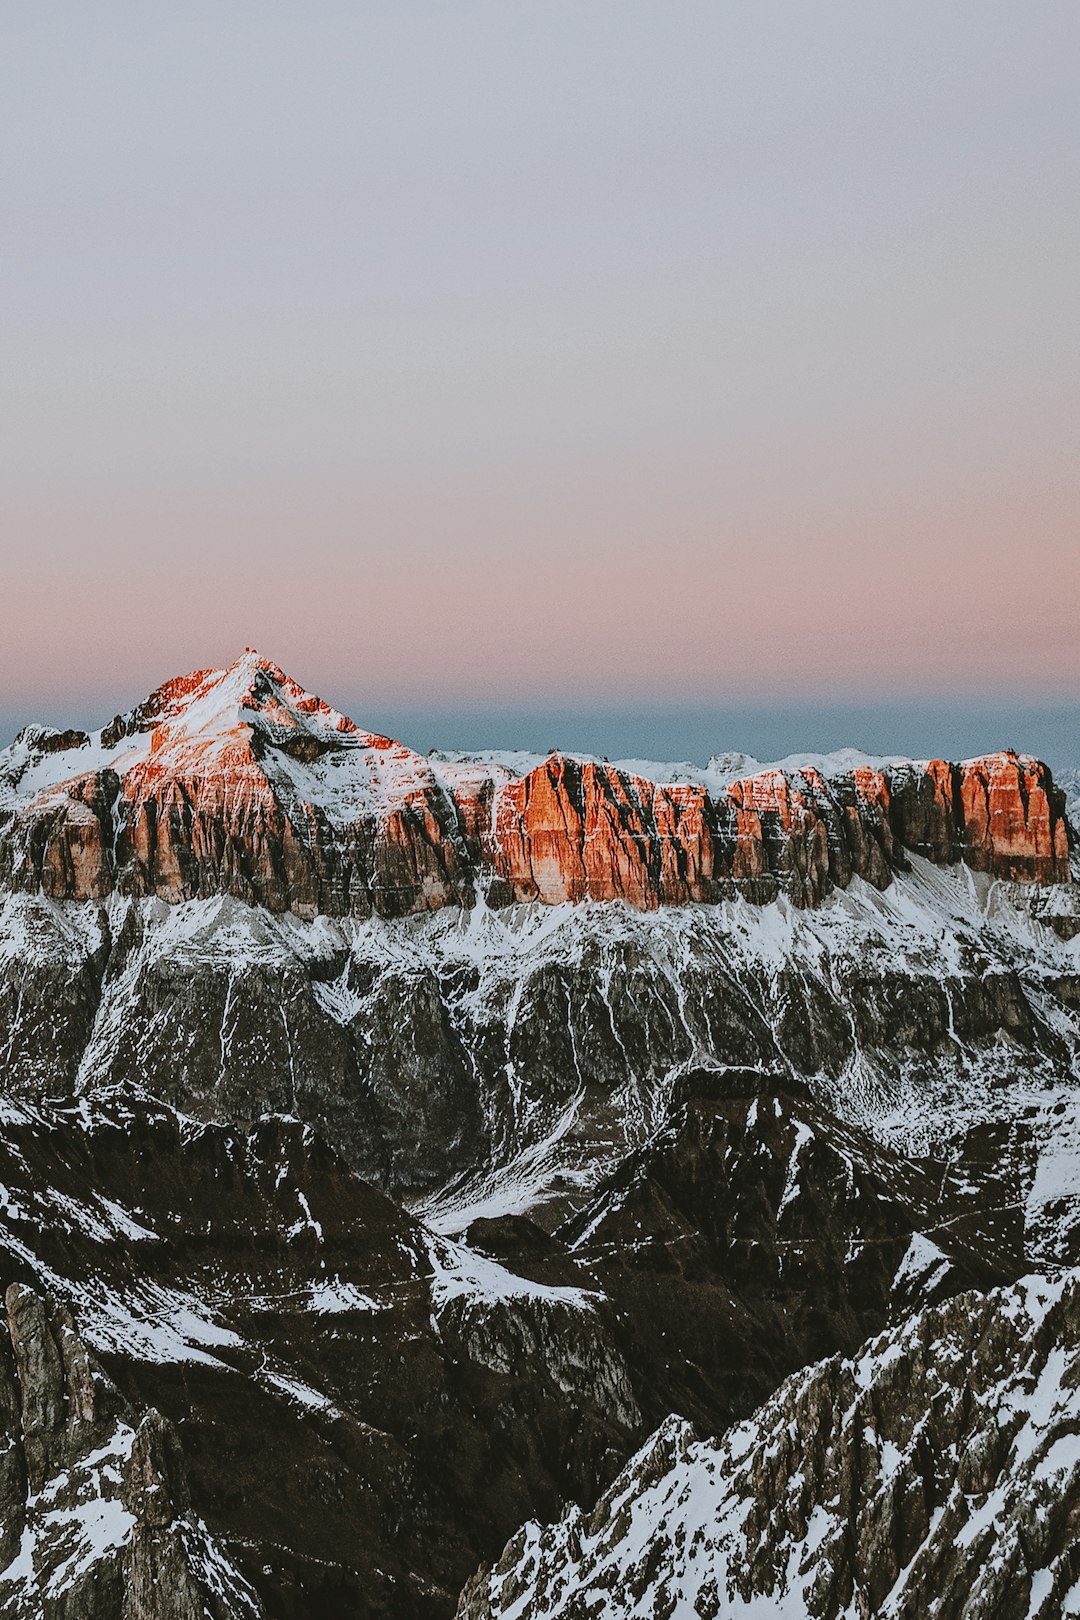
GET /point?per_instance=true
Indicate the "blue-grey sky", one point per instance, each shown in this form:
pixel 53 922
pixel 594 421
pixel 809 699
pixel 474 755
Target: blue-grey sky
pixel 584 355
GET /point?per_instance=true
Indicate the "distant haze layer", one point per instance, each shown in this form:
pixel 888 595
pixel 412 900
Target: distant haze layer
pixel 945 730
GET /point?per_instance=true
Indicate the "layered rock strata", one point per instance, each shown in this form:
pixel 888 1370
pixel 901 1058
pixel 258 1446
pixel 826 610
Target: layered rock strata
pixel 238 781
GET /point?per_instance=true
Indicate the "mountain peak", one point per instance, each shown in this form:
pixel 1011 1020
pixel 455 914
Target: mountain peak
pixel 210 710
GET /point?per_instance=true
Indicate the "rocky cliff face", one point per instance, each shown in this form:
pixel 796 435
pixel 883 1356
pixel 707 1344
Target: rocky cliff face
pixel 96 1521
pixel 801 1065
pixel 937 1472
pixel 239 782
pixel 516 1054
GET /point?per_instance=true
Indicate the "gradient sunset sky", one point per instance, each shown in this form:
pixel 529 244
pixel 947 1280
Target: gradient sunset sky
pixel 570 356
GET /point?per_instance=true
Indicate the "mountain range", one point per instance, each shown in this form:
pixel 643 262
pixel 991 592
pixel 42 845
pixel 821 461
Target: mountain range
pixel 517 1186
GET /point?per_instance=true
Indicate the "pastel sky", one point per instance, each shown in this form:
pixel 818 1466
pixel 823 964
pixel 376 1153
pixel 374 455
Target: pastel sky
pixel 541 353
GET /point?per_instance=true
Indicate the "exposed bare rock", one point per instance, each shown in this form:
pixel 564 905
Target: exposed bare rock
pixel 96 1521
pixel 239 782
pixel 440 1054
pixel 1013 819
pixel 773 1234
pixel 936 1472
pixel 720 1071
pixel 366 1409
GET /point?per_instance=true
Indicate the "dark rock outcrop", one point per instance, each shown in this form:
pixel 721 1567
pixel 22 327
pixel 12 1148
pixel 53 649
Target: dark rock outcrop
pixel 366 1409
pixel 758 1232
pixel 96 1521
pixel 936 1472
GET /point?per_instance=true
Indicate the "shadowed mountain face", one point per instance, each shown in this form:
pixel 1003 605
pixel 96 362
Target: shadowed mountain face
pixel 689 1080
pixel 95 1512
pixel 363 1406
pixel 502 1060
pixel 773 1234
pixel 936 1472
pixel 367 1409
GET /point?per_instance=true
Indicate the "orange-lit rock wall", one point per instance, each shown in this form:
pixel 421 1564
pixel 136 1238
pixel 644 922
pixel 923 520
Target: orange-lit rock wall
pixel 568 830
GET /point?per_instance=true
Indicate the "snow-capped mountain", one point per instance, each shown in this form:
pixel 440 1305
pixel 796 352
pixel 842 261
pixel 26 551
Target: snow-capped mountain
pixel 237 781
pixel 416 1133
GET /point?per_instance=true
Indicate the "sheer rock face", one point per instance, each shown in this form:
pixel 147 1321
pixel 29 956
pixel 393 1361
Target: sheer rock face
pixel 936 1472
pixel 233 781
pixel 96 1520
pixel 448 1049
pixel 237 781
pixel 1001 814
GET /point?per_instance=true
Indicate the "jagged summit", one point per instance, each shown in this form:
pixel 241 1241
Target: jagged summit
pixel 240 781
pixel 935 1473
pixel 228 781
pixel 212 709
pixel 204 720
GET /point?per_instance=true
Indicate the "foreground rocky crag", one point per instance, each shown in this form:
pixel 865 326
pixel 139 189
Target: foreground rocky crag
pixel 96 1521
pixel 237 781
pixel 937 1472
pixel 366 1409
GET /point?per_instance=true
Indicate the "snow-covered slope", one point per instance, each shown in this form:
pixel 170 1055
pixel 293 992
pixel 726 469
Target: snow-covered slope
pixel 493 1059
pixel 936 1473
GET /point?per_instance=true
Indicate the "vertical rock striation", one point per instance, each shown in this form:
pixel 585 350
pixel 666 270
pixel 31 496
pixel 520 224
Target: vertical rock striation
pixel 95 1518
pixel 239 782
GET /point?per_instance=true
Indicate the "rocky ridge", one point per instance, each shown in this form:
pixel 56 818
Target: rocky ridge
pixel 95 1514
pixel 773 1234
pixel 238 781
pixel 366 1407
pixel 688 1077
pixel 504 1059
pixel 936 1472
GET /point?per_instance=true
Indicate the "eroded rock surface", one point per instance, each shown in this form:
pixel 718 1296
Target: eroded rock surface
pixel 239 782
pixel 518 1053
pixel 936 1472
pixel 96 1521
pixel 367 1409
pixel 719 1072
pixel 773 1234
